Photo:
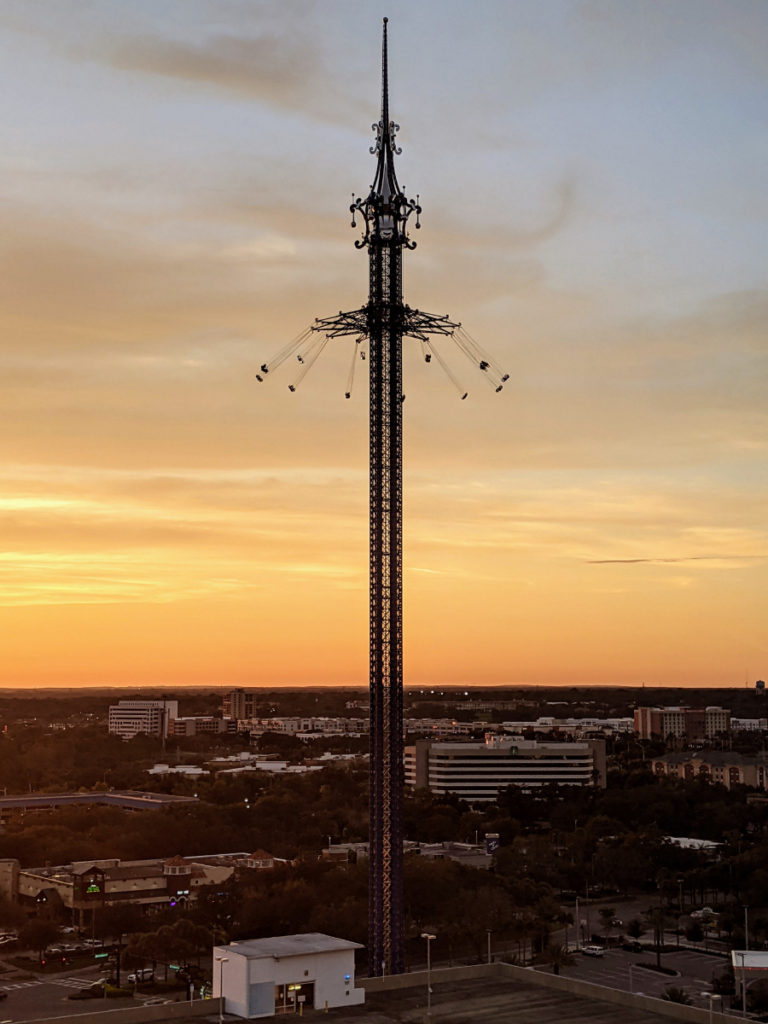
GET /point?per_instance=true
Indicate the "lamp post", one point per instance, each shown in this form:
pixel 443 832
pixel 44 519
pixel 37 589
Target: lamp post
pixel 429 938
pixel 578 926
pixel 743 986
pixel 631 981
pixel 746 928
pixel 489 933
pixel 711 996
pixel 221 960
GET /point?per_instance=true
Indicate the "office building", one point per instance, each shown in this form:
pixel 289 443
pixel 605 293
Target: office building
pixel 128 718
pixel 477 771
pixel 238 704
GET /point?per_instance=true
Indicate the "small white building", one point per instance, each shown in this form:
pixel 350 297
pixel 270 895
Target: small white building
pixel 749 966
pixel 262 977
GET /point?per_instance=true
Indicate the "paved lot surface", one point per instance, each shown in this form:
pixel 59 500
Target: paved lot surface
pixel 31 996
pixel 493 1001
pixel 694 972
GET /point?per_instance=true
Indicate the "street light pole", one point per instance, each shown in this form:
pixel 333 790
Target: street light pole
pixel 711 996
pixel 429 938
pixel 221 960
pixel 743 987
pixel 746 928
pixel 631 981
pixel 489 933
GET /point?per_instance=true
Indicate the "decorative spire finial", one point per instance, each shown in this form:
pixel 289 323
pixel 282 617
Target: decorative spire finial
pixel 386 208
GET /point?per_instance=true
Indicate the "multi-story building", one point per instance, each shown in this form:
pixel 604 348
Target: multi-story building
pixel 722 766
pixel 238 704
pixel 477 771
pixel 128 718
pixel 689 724
pixel 195 726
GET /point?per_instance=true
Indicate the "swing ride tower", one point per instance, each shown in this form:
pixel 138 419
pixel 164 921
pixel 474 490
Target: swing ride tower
pixel 383 322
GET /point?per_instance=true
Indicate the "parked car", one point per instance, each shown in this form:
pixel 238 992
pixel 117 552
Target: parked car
pixel 704 912
pixel 145 974
pixel 632 947
pixel 593 951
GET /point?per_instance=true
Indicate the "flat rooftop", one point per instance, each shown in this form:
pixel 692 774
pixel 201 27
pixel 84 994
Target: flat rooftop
pixel 128 799
pixel 290 945
pixel 485 1001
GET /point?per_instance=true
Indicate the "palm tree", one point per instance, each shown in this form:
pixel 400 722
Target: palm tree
pixel 557 955
pixel 673 994
pixel 656 919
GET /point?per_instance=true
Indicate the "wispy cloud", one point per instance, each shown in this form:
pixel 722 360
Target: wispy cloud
pixel 731 559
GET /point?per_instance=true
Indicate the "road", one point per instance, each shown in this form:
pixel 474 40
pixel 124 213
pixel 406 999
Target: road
pixel 33 995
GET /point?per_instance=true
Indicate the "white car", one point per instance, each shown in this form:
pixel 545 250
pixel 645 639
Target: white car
pixel 145 974
pixel 593 951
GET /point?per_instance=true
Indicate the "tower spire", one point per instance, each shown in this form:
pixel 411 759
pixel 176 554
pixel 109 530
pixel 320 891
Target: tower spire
pixel 385 186
pixel 384 75
pixel 386 209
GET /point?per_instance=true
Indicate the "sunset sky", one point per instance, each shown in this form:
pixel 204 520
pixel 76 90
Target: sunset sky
pixel 175 177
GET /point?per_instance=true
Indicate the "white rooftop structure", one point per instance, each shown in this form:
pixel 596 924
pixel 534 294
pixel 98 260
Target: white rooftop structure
pixel 749 960
pixel 687 843
pixel 749 966
pixel 265 977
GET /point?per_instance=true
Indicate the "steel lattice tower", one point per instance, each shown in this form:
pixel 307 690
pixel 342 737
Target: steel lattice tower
pixel 384 321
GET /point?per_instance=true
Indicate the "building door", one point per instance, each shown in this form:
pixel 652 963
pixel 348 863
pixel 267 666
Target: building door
pixel 289 997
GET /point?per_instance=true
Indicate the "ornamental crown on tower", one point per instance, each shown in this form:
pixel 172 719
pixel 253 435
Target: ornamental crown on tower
pixel 386 209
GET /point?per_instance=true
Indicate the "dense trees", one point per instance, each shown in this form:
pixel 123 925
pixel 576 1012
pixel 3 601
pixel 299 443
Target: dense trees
pixel 553 842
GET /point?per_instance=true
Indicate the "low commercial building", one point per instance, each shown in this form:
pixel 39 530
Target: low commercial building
pixel 85 886
pixel 265 977
pixel 315 725
pixel 477 771
pixel 749 724
pixel 12 807
pixel 576 727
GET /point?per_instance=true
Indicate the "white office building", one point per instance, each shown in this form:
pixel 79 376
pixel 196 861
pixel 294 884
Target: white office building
pixel 477 771
pixel 128 718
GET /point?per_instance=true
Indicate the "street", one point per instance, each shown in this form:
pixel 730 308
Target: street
pixel 33 995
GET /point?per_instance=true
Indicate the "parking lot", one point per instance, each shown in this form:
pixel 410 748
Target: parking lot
pixel 633 971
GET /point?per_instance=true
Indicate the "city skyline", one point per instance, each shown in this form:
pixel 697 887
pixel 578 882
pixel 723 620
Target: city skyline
pixel 176 182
